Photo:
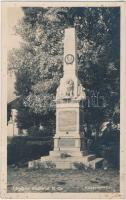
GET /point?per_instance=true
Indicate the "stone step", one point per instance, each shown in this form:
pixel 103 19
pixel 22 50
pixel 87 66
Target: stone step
pixel 63 164
pixel 96 163
pixel 68 163
pixel 45 158
pixel 89 158
pixel 70 152
pixel 76 157
pixel 68 159
pixel 82 159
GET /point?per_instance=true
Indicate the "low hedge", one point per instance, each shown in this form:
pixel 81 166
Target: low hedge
pixel 22 149
pixel 111 153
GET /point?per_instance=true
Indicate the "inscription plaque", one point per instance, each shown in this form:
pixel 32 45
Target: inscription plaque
pixel 67 120
pixel 67 142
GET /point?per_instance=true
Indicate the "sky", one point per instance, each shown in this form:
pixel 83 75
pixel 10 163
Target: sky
pixel 13 41
pixel 14 14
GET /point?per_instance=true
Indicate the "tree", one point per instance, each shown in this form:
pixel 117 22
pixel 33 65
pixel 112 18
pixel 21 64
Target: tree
pixel 39 61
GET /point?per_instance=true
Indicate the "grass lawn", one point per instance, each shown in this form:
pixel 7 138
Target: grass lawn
pixel 54 180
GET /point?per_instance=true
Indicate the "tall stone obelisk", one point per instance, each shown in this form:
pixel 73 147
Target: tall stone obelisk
pixel 69 107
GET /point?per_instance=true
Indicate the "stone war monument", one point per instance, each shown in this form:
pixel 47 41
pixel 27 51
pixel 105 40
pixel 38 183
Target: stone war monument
pixel 69 142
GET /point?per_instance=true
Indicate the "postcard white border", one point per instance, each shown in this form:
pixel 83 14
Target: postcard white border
pixel 3 138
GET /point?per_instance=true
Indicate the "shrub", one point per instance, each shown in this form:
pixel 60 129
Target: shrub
pixel 35 131
pixel 23 149
pixel 110 152
pixel 50 164
pixel 46 131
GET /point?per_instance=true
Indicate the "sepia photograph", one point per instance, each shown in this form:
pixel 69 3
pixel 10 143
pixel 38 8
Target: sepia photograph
pixel 63 99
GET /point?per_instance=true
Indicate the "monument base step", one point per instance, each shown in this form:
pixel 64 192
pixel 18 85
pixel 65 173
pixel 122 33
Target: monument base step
pixel 73 162
pixel 69 153
pixel 76 157
pixel 96 163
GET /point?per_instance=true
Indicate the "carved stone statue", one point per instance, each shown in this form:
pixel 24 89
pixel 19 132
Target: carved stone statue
pixel 69 88
pixel 81 92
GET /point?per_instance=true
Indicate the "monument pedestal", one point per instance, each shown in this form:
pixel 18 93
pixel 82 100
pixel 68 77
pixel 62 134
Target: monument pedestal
pixel 69 125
